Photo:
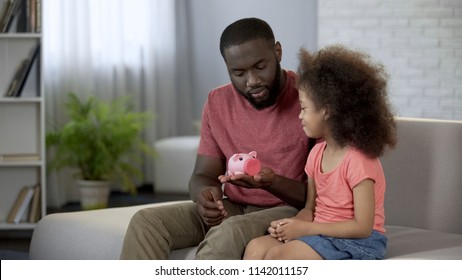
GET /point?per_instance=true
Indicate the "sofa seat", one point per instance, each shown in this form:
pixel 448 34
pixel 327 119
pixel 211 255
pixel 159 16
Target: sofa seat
pixel 98 235
pixel 414 243
pixel 83 235
pixel 422 200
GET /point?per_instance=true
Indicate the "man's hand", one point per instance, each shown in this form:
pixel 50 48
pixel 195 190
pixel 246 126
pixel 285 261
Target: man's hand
pixel 261 180
pixel 210 206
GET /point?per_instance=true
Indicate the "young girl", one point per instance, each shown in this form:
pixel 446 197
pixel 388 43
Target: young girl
pixel 343 98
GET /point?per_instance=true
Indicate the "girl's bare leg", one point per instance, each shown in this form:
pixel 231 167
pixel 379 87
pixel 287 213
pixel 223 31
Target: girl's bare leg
pixel 292 250
pixel 256 249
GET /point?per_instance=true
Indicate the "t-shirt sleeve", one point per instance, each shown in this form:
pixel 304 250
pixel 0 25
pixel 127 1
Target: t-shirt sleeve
pixel 208 145
pixel 311 160
pixel 362 167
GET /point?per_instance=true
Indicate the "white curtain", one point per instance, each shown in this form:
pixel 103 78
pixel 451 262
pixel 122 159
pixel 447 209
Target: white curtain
pixel 111 48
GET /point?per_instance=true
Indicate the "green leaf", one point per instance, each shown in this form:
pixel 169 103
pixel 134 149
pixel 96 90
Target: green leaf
pixel 101 139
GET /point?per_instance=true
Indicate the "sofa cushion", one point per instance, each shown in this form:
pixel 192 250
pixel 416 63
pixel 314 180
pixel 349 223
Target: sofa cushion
pixel 184 254
pixel 414 243
pixel 424 178
pixel 99 234
pixel 83 235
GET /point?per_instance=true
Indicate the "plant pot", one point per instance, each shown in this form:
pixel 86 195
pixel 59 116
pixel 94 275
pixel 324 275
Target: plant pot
pixel 94 194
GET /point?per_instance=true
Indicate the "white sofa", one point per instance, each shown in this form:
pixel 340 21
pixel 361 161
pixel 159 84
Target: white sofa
pixel 175 156
pixel 423 204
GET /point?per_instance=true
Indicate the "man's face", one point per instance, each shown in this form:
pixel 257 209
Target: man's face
pixel 255 72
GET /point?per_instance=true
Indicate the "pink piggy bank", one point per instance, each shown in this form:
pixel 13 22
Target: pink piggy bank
pixel 244 164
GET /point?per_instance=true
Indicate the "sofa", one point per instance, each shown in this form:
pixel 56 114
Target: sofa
pixel 422 204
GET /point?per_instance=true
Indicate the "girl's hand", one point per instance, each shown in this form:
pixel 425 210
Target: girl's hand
pixel 274 225
pixel 289 229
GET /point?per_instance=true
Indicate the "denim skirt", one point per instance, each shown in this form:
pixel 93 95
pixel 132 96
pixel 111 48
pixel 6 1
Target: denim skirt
pixel 331 248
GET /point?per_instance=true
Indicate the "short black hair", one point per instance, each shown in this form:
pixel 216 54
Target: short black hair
pixel 244 30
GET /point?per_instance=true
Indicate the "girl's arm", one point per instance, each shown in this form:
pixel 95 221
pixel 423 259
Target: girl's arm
pixel 359 227
pixel 307 213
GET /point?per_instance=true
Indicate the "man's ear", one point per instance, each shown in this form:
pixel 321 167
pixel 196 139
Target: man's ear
pixel 278 50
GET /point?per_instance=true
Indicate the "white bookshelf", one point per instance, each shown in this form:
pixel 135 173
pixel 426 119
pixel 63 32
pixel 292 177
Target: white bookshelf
pixel 22 124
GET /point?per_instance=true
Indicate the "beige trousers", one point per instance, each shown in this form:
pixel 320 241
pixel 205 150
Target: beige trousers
pixel 153 233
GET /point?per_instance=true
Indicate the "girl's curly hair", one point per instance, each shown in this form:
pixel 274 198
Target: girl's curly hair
pixel 354 89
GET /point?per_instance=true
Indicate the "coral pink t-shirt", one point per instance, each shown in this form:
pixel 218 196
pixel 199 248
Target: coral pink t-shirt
pixel 231 125
pixel 334 189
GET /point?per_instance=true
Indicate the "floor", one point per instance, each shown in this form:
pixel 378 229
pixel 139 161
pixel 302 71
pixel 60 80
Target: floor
pixel 14 245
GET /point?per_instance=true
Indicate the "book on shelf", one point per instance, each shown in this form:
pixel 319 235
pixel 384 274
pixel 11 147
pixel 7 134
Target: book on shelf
pixel 21 205
pixel 38 16
pixel 34 210
pixel 19 157
pixel 22 25
pixel 31 18
pixel 22 72
pixel 3 15
pixel 11 9
pixel 28 17
pixel 16 78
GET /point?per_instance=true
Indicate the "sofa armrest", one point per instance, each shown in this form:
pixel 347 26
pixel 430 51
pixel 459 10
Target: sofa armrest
pixel 175 156
pixel 83 235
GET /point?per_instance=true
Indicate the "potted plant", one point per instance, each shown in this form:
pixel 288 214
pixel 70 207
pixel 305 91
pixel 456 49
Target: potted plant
pixel 102 140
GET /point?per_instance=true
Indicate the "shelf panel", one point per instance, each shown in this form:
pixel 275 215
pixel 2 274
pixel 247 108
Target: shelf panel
pixel 20 128
pixel 20 35
pixel 11 226
pixel 19 163
pixel 21 99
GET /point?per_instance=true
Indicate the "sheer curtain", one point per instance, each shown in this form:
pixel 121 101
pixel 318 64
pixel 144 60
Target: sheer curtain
pixel 112 48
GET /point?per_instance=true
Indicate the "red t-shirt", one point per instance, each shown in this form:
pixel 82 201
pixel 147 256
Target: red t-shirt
pixel 231 125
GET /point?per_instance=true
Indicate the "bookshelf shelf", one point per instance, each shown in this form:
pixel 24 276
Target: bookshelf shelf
pixel 21 100
pixel 22 117
pixel 21 163
pixel 20 35
pixel 9 226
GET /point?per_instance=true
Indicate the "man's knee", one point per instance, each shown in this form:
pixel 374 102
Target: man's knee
pixel 228 240
pixel 142 220
pixel 244 224
pixel 140 217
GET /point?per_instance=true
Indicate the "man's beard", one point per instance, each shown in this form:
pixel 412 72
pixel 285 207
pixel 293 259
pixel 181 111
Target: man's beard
pixel 274 91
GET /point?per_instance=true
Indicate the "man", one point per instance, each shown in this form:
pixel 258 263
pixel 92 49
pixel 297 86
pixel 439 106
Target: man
pixel 257 111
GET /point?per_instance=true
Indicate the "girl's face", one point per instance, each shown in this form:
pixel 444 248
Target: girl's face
pixel 313 119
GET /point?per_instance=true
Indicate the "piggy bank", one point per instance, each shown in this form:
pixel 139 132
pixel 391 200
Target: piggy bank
pixel 242 163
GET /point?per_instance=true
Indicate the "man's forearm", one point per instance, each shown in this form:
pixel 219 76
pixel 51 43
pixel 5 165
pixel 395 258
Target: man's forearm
pixel 290 191
pixel 197 183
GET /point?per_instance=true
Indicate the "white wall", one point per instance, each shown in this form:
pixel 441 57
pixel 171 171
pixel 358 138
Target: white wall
pixel 418 41
pixel 293 23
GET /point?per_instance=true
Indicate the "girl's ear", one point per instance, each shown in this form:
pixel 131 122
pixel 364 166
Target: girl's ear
pixel 326 113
